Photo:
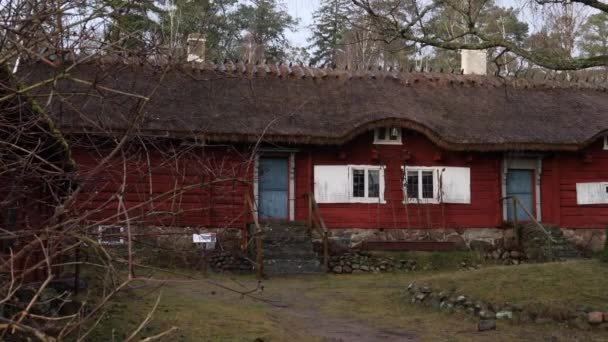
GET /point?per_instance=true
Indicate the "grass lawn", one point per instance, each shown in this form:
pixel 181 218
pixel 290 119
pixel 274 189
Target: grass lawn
pixel 551 287
pixel 361 307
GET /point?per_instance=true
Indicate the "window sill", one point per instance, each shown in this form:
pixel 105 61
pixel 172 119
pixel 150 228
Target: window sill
pixel 387 142
pixel 421 201
pixel 367 200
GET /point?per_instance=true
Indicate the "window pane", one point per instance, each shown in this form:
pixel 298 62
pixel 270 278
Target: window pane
pixel 412 184
pixel 381 133
pixel 358 183
pixel 394 133
pixel 373 183
pixel 427 184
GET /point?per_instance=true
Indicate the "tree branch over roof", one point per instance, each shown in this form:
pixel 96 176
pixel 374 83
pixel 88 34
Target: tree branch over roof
pixel 388 26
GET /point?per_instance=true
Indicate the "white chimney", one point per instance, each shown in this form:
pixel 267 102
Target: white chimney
pixel 196 47
pixel 474 62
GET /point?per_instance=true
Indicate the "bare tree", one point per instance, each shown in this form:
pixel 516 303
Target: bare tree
pixel 73 200
pixel 416 28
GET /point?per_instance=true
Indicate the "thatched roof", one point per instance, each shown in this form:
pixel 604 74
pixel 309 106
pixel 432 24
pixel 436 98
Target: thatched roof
pixel 236 102
pixel 28 136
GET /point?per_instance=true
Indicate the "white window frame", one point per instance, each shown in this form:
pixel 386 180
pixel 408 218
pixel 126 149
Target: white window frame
pixel 419 169
pixel 386 140
pixel 366 199
pixel 100 239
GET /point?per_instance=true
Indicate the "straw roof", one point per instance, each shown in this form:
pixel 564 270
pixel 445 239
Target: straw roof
pixel 294 104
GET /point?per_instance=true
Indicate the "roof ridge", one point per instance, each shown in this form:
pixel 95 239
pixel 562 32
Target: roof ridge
pixel 527 79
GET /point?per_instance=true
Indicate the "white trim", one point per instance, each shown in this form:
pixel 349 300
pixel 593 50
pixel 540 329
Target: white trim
pixel 292 186
pixel 534 163
pixel 380 199
pixel 386 141
pixel 256 180
pixel 435 199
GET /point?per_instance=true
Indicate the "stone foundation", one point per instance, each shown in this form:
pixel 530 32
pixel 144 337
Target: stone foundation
pixel 479 239
pixel 472 238
pixel 592 240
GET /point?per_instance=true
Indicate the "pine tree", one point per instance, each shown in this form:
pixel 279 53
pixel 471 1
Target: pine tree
pixel 131 27
pixel 331 21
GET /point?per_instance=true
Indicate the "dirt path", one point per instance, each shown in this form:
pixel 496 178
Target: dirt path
pixel 310 317
pixel 304 316
pixel 330 328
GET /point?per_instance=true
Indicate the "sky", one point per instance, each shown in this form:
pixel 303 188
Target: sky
pixel 301 9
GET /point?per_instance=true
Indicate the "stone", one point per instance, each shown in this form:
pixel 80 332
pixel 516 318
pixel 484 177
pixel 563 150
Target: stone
pixel 595 317
pixel 486 314
pixel 356 266
pixel 581 323
pixel 425 289
pixel 603 327
pixel 486 324
pixel 419 297
pixel 605 316
pixel 347 269
pixel 480 246
pixel 504 315
pixel 337 269
pixel 515 254
pixel 458 242
pixel 365 268
pixel 460 299
pixel 596 243
pixel 435 303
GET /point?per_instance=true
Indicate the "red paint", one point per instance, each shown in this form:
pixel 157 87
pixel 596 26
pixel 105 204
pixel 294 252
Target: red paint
pixel 561 172
pixel 221 204
pixel 484 211
pixel 206 192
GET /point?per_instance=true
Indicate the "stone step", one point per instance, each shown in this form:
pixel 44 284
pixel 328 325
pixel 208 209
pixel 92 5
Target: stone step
pixel 286 254
pixel 292 266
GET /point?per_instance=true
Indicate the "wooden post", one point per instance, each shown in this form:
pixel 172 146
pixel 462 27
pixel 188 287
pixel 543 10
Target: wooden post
pixel 310 213
pixel 259 258
pixel 77 271
pixel 325 252
pixel 515 225
pixel 205 259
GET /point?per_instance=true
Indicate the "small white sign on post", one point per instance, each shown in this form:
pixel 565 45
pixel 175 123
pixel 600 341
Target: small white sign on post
pixel 205 239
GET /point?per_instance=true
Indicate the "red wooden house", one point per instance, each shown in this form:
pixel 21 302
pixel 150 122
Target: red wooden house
pixel 382 151
pixel 34 169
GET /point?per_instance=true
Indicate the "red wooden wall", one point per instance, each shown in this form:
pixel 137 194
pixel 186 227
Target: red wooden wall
pixel 561 172
pixel 162 186
pixel 151 177
pixel 484 210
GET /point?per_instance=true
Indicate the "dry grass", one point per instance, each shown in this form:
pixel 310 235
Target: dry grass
pixel 552 285
pixel 355 305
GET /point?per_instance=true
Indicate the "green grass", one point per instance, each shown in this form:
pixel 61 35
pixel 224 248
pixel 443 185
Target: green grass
pixel 204 312
pixel 558 286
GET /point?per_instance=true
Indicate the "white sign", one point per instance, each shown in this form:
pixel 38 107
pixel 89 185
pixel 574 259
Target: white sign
pixel 204 238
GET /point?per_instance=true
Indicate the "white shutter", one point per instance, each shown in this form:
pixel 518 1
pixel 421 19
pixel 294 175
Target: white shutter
pixel 331 184
pixel 455 184
pixel 591 193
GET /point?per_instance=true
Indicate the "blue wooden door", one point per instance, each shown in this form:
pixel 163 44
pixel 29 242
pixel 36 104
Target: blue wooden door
pixel 519 184
pixel 273 188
